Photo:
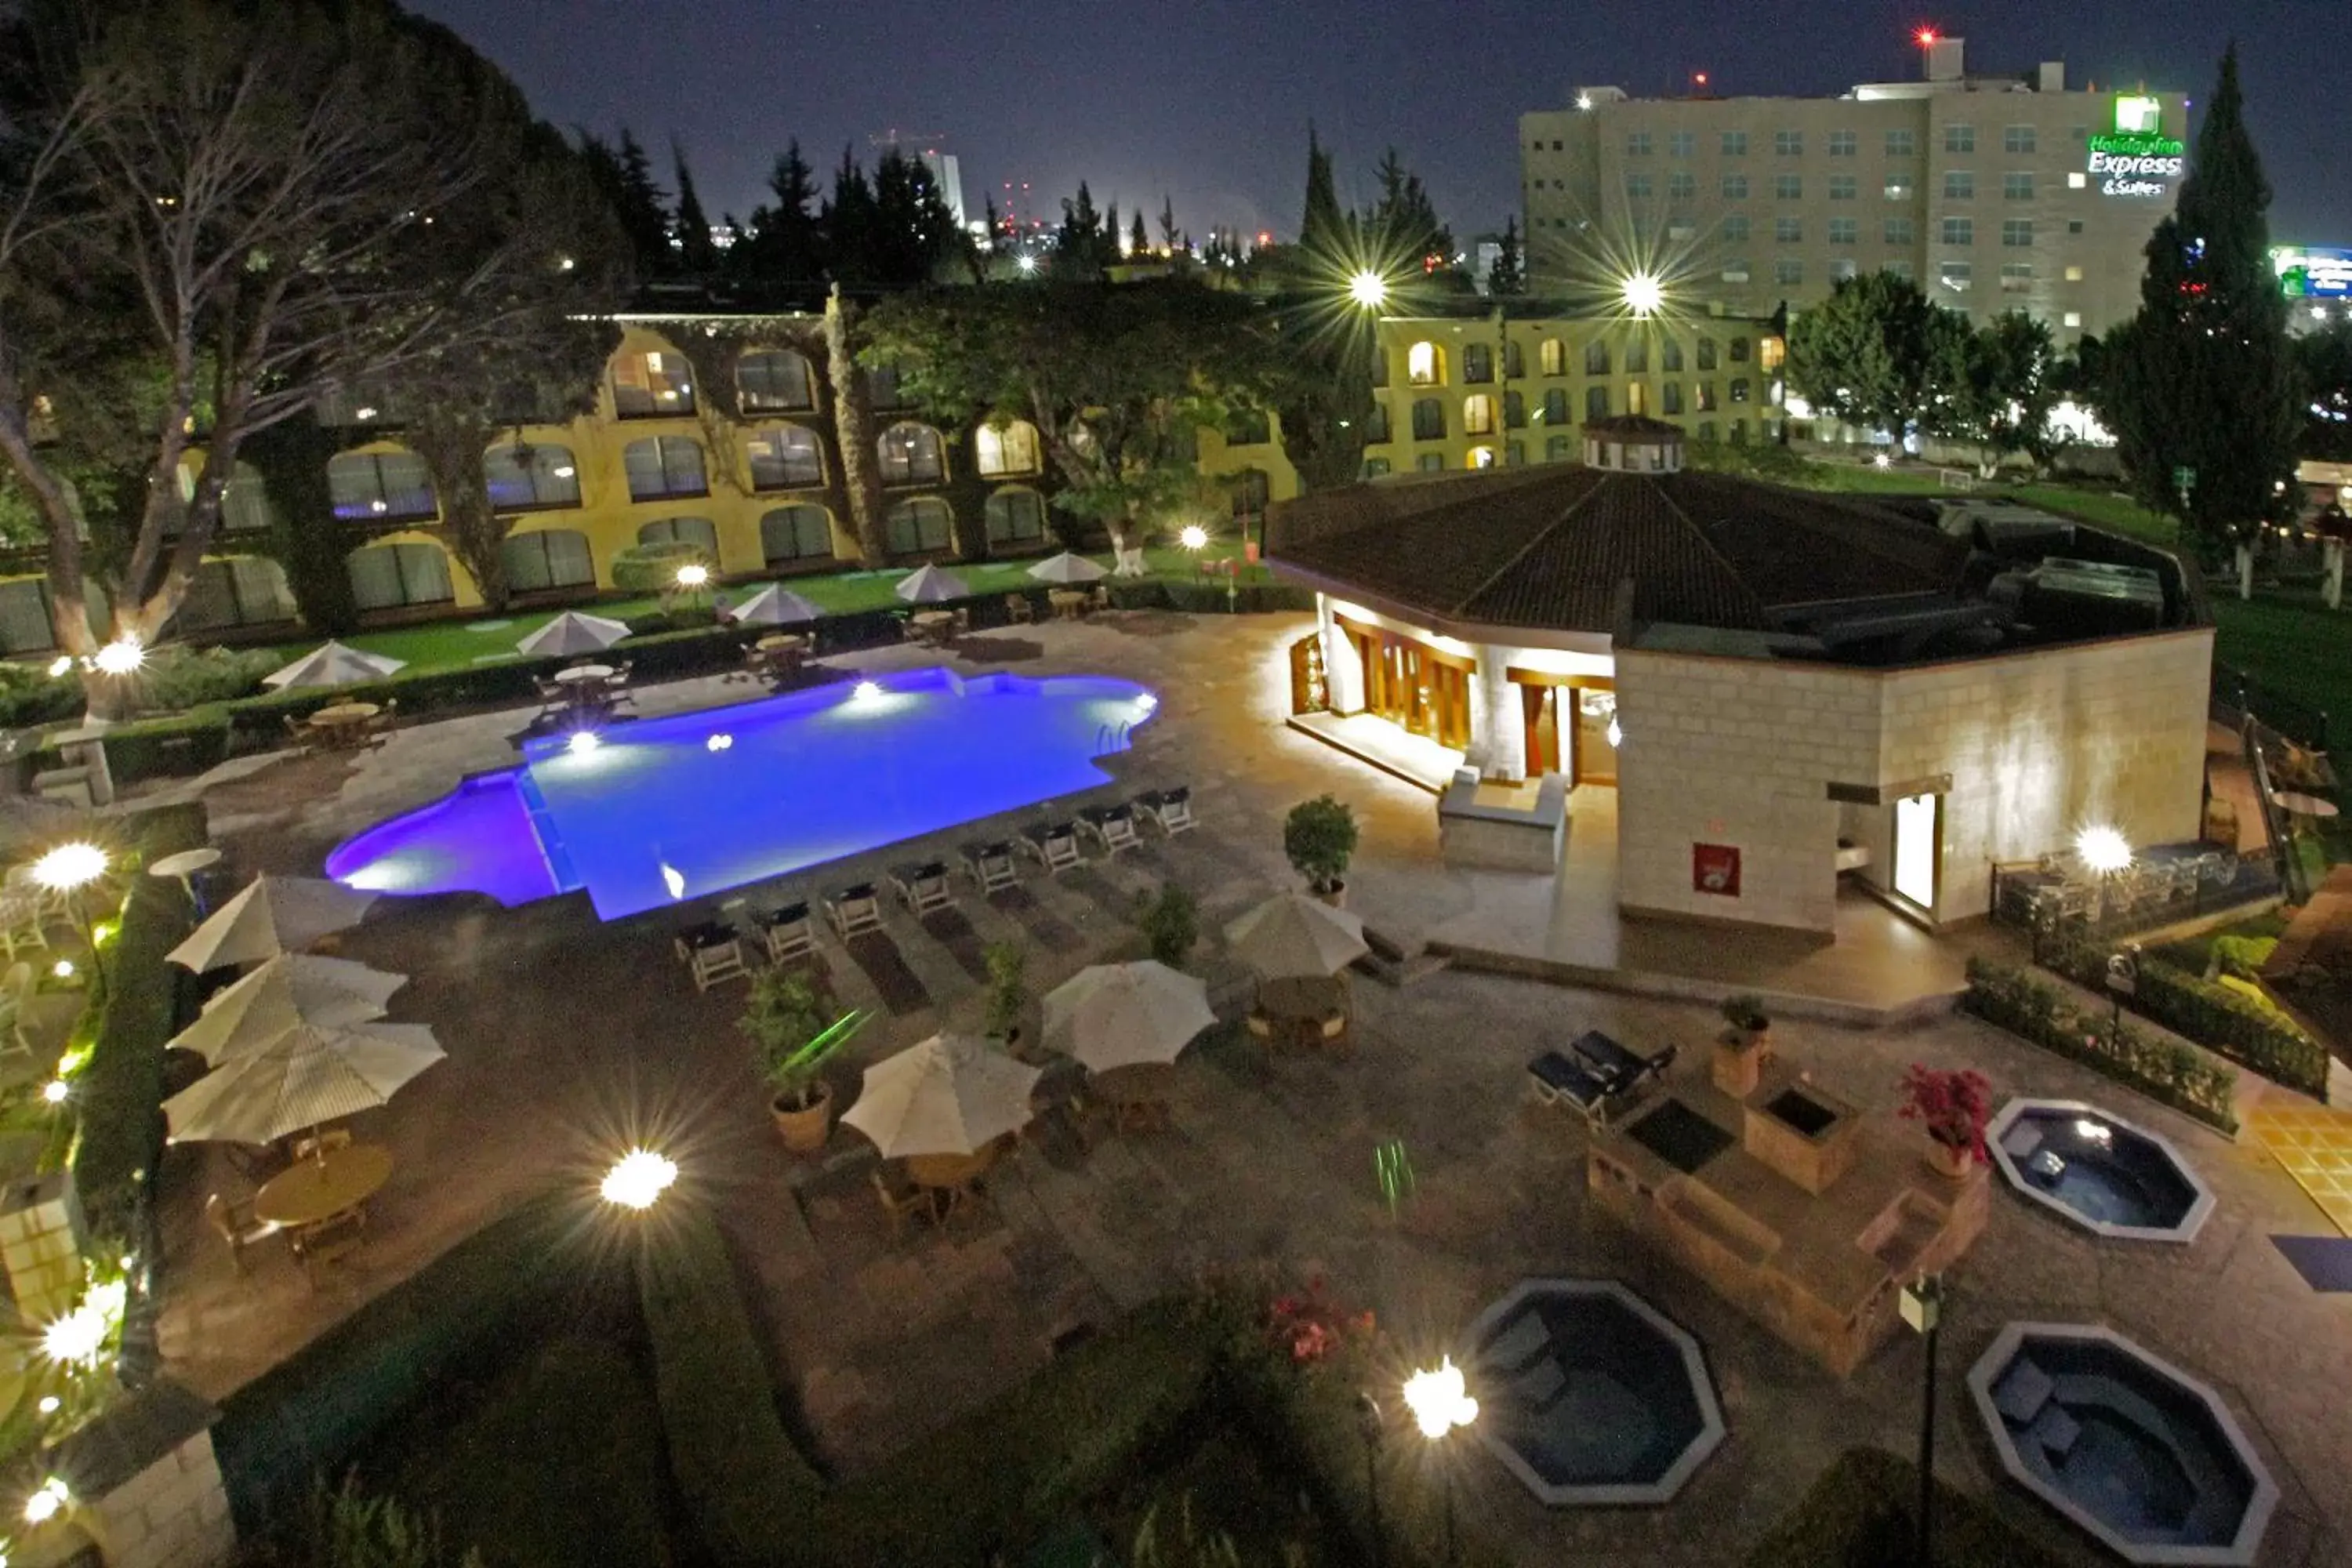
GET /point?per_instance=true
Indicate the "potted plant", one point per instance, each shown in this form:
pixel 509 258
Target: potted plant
pixel 1172 925
pixel 1743 1047
pixel 1319 837
pixel 1007 993
pixel 1953 1104
pixel 793 1029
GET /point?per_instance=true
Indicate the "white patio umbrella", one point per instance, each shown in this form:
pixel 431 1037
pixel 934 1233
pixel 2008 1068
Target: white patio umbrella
pixel 776 606
pixel 1120 1014
pixel 1066 568
pixel 273 915
pixel 285 992
pixel 572 633
pixel 928 584
pixel 1292 936
pixel 298 1079
pixel 949 1095
pixel 332 664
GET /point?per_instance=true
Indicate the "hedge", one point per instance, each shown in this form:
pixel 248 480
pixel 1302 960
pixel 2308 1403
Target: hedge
pixel 2222 1020
pixel 2163 1069
pixel 746 1488
pixel 1859 1514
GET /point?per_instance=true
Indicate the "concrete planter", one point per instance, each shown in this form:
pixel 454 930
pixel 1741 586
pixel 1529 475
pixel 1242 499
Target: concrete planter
pixel 1952 1162
pixel 1737 1062
pixel 805 1131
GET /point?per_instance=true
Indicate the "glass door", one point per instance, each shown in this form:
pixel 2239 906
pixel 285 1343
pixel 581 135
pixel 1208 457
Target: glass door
pixel 1918 848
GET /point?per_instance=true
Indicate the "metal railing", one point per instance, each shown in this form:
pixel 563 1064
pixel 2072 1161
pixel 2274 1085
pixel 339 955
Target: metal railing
pixel 2238 696
pixel 2051 905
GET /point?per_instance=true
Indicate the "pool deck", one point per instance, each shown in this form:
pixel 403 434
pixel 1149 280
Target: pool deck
pixel 567 1035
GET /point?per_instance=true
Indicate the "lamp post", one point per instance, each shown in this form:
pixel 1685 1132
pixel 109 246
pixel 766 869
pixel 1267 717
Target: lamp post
pixel 1373 1429
pixel 1440 1402
pixel 1923 1309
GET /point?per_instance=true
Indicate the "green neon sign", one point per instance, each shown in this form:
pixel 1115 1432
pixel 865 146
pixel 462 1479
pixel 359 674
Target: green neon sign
pixel 2136 158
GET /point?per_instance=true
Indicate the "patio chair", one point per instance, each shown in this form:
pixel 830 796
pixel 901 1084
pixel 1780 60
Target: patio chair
pixel 1170 810
pixel 909 632
pixel 712 952
pixel 923 887
pixel 329 1242
pixel 788 932
pixel 991 867
pixel 17 995
pixel 1018 610
pixel 297 733
pixel 237 1226
pixel 1112 826
pixel 379 727
pixel 1099 599
pixel 50 905
pixel 961 625
pixel 853 912
pixel 901 1196
pixel 20 922
pixel 1562 1080
pixel 1055 846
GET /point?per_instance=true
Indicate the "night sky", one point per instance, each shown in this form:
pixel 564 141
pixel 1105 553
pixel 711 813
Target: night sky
pixel 1208 101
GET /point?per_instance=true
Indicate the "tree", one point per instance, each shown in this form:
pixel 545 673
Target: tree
pixel 1168 230
pixel 1863 355
pixel 1084 244
pixel 1507 276
pixel 690 238
pixel 848 221
pixel 1138 237
pixel 1323 228
pixel 624 177
pixel 1404 222
pixel 2199 387
pixel 1995 387
pixel 2325 357
pixel 914 235
pixel 786 244
pixel 313 198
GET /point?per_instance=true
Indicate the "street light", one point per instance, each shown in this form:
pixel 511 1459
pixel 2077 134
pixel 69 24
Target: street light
pixel 638 1179
pixel 693 575
pixel 1440 1402
pixel 1923 1309
pixel 1368 289
pixel 1644 294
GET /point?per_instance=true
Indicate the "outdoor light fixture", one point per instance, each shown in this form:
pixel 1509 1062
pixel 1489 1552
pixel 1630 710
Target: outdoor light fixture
pixel 2092 1131
pixel 46 1503
pixel 70 867
pixel 638 1179
pixel 866 690
pixel 61 666
pixel 719 743
pixel 123 656
pixel 1643 293
pixel 1884 460
pixel 79 1336
pixel 62 969
pixel 693 574
pixel 1616 733
pixel 1369 289
pixel 51 1404
pixel 56 1091
pixel 2103 849
pixel 1583 100
pixel 1193 537
pixel 1439 1400
pixel 1025 262
pixel 582 741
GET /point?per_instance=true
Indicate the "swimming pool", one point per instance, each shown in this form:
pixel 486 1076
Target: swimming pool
pixel 2099 1171
pixel 651 812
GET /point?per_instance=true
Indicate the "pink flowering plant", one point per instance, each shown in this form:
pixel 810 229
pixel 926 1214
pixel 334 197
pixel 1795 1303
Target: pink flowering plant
pixel 1952 1104
pixel 1310 1327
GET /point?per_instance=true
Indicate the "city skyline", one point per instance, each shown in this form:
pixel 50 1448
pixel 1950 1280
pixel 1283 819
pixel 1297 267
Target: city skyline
pixel 1208 104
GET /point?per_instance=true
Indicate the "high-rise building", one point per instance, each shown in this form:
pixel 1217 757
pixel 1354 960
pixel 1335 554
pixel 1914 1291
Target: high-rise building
pixel 949 176
pixel 1992 192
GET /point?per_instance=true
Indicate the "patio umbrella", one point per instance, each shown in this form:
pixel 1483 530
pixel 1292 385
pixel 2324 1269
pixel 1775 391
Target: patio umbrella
pixel 1120 1014
pixel 1066 568
pixel 273 915
pixel 949 1095
pixel 775 606
pixel 289 990
pixel 929 585
pixel 572 633
pixel 303 1077
pixel 332 664
pixel 1292 936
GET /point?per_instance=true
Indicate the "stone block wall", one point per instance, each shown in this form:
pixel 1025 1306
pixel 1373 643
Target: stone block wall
pixel 41 1242
pixel 173 1514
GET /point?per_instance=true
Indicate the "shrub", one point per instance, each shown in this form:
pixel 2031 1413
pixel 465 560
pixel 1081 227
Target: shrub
pixel 1320 838
pixel 1746 1013
pixel 1952 1104
pixel 653 568
pixel 2243 957
pixel 176 679
pixel 30 695
pixel 2178 1075
pixel 1007 989
pixel 1172 925
pixel 793 1029
pixel 348 1529
pixel 683 618
pixel 2250 1033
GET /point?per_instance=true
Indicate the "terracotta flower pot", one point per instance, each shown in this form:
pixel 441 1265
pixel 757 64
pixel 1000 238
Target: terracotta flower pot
pixel 805 1131
pixel 1951 1161
pixel 1334 893
pixel 1738 1064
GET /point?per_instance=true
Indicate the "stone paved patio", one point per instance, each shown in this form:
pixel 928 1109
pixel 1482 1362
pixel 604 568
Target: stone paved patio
pixel 567 1035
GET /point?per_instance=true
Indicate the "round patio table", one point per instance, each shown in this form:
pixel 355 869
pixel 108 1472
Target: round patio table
pixel 581 674
pixel 1067 603
pixel 336 714
pixel 781 640
pixel 2303 805
pixel 183 867
pixel 933 619
pixel 1136 1095
pixel 316 1189
pixel 1301 996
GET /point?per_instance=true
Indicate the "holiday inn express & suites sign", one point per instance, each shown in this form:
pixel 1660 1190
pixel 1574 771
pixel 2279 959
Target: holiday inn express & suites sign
pixel 2136 159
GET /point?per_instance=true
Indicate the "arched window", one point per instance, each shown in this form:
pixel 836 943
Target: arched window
pixel 911 454
pixel 522 476
pixel 1637 357
pixel 1555 408
pixel 1478 415
pixel 1553 359
pixel 1706 353
pixel 1670 397
pixel 1424 364
pixel 1429 420
pixel 1670 354
pixel 774 380
pixel 1739 350
pixel 1248 427
pixel 379 487
pixel 1596 358
pixel 923 526
pixel 1738 389
pixel 394 576
pixel 1514 361
pixel 244 502
pixel 652 383
pixel 798 535
pixel 1005 450
pixel 1017 516
pixel 699 531
pixel 784 458
pixel 548 558
pixel 1251 489
pixel 1515 411
pixel 663 467
pixel 237 591
pixel 1477 363
pixel 1376 424
pixel 882 387
pixel 1637 397
pixel 1596 403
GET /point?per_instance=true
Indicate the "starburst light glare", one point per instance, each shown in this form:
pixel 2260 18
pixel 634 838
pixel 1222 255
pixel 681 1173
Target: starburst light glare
pixel 123 656
pixel 638 1179
pixel 693 574
pixel 1193 537
pixel 2103 849
pixel 1369 289
pixel 79 1336
pixel 56 1091
pixel 1644 293
pixel 46 1503
pixel 63 969
pixel 866 690
pixel 1025 262
pixel 69 866
pixel 61 666
pixel 1438 1400
pixel 582 741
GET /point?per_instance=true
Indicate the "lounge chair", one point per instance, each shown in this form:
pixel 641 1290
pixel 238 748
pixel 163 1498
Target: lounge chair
pixel 1171 810
pixel 923 887
pixel 788 932
pixel 17 995
pixel 20 921
pixel 237 1226
pixel 853 912
pixel 1561 1079
pixel 1055 846
pixel 1112 826
pixel 712 952
pixel 991 867
pixel 1018 610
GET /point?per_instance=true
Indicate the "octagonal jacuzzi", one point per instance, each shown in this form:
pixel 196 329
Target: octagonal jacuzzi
pixel 2129 1447
pixel 2099 1171
pixel 1589 1394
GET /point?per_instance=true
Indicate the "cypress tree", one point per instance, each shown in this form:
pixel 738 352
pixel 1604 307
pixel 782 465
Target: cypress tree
pixel 1138 237
pixel 1322 230
pixel 1507 276
pixel 691 237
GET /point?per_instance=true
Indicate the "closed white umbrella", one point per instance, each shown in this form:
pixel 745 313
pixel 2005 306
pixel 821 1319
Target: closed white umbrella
pixel 572 633
pixel 299 1079
pixel 949 1095
pixel 273 915
pixel 776 606
pixel 332 664
pixel 1293 936
pixel 289 990
pixel 928 585
pixel 1066 568
pixel 1122 1015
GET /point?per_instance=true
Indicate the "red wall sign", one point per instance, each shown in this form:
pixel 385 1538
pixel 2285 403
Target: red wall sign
pixel 1715 869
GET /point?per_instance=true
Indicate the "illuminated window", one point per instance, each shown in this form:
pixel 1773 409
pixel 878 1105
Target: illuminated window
pixel 2017 233
pixel 1734 143
pixel 522 476
pixel 921 526
pixel 911 454
pixel 1424 364
pixel 795 535
pixel 664 466
pixel 1844 143
pixel 773 381
pixel 1735 187
pixel 1637 398
pixel 1482 457
pixel 1478 415
pixel 1428 420
pixel 1896 231
pixel 1772 353
pixel 1002 450
pixel 1843 187
pixel 547 559
pixel 1959 138
pixel 1788 143
pixel 1016 517
pixel 651 384
pixel 2017 139
pixel 699 531
pixel 2073 275
pixel 1959 185
pixel 379 487
pixel 784 458
pixel 1552 357
pixel 1959 231
pixel 2076 180
pixel 1788 187
pixel 1596 358
pixel 2073 318
pixel 1899 144
pixel 1706 397
pixel 1957 276
pixel 2017 187
pixel 1477 365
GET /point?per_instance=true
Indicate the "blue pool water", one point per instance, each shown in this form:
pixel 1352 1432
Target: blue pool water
pixel 662 810
pixel 2099 1171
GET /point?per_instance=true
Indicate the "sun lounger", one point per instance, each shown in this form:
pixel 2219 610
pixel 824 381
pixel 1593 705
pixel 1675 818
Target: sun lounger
pixel 1171 810
pixel 924 888
pixel 712 952
pixel 1112 826
pixel 991 867
pixel 1055 846
pixel 855 911
pixel 1597 1076
pixel 1561 1079
pixel 788 932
